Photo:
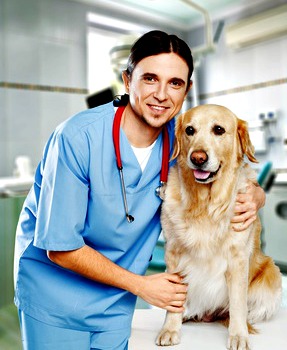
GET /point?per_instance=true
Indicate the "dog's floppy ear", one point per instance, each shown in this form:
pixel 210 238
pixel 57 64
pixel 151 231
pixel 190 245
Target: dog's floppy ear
pixel 246 145
pixel 176 145
pixel 176 149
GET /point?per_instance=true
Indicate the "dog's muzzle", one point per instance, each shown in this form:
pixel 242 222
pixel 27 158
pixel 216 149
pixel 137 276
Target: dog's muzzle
pixel 199 161
pixel 203 175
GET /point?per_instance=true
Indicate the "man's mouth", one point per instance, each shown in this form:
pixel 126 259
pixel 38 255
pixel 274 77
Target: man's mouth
pixel 204 176
pixel 157 108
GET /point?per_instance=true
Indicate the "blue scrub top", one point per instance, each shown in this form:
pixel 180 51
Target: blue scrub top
pixel 77 199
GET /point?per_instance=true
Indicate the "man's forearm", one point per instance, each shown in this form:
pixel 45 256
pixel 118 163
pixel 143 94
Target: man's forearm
pixel 93 265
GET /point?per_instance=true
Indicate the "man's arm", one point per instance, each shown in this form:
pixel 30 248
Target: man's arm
pixel 163 290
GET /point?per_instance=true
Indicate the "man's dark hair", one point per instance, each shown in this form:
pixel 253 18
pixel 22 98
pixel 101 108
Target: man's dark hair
pixel 155 43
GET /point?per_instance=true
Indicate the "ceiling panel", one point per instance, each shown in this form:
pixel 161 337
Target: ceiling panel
pixel 178 13
pixel 177 9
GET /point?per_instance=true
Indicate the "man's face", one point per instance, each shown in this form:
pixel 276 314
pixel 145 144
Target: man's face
pixel 157 88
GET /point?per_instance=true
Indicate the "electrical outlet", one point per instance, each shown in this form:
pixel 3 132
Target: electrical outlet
pixel 270 117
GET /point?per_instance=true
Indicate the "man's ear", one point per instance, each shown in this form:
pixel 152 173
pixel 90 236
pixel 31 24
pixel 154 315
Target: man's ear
pixel 189 87
pixel 126 80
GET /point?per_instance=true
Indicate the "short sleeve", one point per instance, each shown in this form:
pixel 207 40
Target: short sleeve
pixel 63 199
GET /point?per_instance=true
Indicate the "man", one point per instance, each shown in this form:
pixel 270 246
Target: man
pixel 79 263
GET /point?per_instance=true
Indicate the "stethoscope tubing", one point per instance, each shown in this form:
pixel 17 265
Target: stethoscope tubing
pixel 164 164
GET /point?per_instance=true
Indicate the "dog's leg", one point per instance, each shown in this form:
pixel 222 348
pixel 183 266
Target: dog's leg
pixel 237 281
pixel 170 332
pixel 265 289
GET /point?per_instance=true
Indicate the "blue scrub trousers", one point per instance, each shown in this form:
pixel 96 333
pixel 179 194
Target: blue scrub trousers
pixel 37 335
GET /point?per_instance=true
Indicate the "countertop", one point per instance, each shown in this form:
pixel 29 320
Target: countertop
pixel 281 179
pixel 15 186
pixel 205 336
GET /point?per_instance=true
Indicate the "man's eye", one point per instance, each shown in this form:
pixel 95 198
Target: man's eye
pixel 149 79
pixel 189 131
pixel 176 83
pixel 218 130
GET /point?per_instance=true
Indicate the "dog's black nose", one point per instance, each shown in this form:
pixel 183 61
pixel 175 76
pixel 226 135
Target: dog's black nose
pixel 198 158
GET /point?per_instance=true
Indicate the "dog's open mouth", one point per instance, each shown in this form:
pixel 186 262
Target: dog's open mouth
pixel 203 176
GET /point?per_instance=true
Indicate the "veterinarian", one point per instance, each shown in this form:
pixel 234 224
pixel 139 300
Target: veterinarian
pixel 91 220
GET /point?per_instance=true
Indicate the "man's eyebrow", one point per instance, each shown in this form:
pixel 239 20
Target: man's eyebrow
pixel 149 74
pixel 153 75
pixel 179 80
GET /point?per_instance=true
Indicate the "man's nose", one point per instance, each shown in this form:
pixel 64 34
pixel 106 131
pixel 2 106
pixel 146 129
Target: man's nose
pixel 161 92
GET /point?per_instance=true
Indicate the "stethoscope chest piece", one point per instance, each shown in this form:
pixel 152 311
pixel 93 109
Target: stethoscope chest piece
pixel 160 190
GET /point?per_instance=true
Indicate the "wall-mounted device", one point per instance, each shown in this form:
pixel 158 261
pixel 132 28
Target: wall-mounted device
pixel 255 29
pixel 258 136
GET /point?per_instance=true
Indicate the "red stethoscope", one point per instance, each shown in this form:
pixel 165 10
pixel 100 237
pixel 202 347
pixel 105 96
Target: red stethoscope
pixel 164 163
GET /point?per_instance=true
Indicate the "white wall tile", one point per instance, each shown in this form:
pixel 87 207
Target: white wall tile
pixel 23 125
pixel 23 115
pixel 77 103
pixel 78 66
pixel 3 159
pixel 55 109
pixel 22 59
pixel 2 115
pixel 62 64
pixel 1 42
pixel 3 134
pixel 228 68
pixel 63 20
pixel 22 16
pixel 55 63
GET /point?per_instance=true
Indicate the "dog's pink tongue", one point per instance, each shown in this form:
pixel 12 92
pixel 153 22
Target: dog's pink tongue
pixel 200 174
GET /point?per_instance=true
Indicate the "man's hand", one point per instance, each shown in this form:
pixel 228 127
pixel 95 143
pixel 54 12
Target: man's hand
pixel 247 206
pixel 163 290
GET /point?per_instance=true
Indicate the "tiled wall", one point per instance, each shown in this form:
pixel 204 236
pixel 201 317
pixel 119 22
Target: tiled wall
pixel 42 73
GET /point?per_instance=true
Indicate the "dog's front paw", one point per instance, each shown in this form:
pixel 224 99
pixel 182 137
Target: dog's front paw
pixel 237 342
pixel 167 337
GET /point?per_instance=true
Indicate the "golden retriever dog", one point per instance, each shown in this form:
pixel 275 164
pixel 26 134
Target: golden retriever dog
pixel 228 276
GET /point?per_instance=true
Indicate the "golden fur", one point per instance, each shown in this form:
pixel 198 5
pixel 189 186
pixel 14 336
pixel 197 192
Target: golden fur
pixel 228 276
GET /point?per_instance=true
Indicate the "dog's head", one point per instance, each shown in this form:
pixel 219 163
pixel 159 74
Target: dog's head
pixel 209 139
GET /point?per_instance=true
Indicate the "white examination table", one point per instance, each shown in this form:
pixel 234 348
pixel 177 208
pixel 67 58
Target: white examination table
pixel 205 336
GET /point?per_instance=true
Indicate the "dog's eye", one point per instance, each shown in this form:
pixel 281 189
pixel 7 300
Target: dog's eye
pixel 189 131
pixel 218 130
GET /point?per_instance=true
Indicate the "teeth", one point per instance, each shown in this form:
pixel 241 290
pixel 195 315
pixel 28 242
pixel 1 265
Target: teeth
pixel 158 108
